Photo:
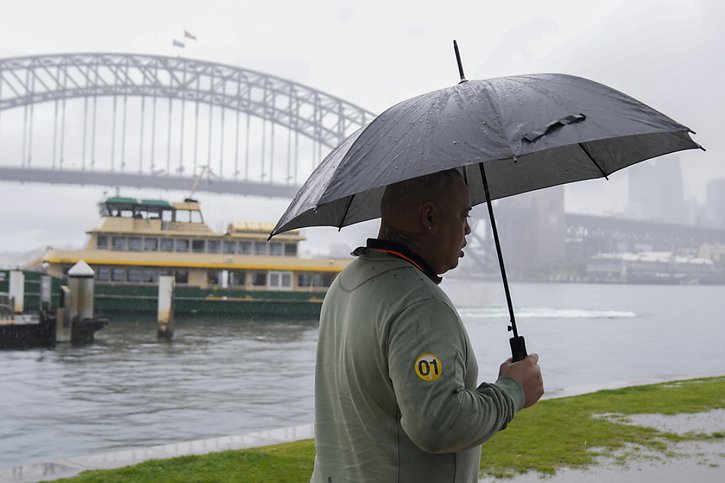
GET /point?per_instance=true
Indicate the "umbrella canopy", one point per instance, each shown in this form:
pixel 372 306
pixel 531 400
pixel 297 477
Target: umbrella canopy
pixel 530 132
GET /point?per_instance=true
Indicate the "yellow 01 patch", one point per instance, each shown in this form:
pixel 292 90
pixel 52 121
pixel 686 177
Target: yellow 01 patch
pixel 428 367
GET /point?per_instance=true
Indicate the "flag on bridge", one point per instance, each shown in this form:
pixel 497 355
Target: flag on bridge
pixel 189 35
pixel 177 43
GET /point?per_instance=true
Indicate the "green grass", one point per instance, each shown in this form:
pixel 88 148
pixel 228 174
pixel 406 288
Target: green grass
pixel 557 433
pixel 571 432
pixel 289 462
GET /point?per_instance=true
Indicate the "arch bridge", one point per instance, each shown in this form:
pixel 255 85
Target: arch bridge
pixel 151 121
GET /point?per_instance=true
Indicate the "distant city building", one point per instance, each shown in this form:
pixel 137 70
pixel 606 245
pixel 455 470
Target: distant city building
pixel 532 228
pixel 656 194
pixel 715 203
pixel 652 267
pixel 714 252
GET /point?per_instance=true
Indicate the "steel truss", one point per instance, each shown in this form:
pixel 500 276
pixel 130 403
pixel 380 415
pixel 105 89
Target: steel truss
pixel 312 113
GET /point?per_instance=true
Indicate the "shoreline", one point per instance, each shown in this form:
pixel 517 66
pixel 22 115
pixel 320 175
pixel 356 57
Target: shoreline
pixel 72 466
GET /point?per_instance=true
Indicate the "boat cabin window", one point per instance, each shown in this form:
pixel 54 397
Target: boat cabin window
pixel 181 276
pixel 275 248
pixel 237 278
pixel 118 243
pixel 167 215
pixel 166 245
pixel 150 244
pixel 182 245
pixel 189 216
pixel 260 248
pixel 213 246
pixel 315 279
pixel 290 249
pixel 230 246
pixel 135 275
pixel 102 241
pixel 212 277
pixel 280 280
pixel 158 213
pixel 118 275
pixel 103 274
pixel 135 244
pixel 245 247
pixel 259 279
pixel 197 246
pixel 304 280
pixel 150 275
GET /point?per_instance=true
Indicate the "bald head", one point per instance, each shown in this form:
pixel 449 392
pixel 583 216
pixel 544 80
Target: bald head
pixel 402 201
pixel 429 215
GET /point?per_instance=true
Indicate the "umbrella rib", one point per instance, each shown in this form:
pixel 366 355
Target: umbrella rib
pixel 589 154
pixel 347 208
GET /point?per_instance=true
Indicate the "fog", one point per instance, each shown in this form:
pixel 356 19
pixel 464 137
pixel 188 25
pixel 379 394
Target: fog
pixel 374 54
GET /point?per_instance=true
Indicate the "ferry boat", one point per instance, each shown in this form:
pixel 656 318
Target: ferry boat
pixel 237 272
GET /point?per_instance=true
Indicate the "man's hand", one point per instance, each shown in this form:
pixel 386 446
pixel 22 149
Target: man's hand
pixel 527 373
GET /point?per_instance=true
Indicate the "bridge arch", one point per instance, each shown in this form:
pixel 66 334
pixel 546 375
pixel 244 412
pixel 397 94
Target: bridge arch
pixel 310 112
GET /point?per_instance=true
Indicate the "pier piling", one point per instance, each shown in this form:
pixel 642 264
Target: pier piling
pixel 63 320
pixel 16 291
pixel 80 283
pixel 166 307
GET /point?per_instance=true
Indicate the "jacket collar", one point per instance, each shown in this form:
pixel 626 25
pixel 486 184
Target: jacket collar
pixel 399 251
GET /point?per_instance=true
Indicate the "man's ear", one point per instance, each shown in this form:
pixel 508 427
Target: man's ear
pixel 428 215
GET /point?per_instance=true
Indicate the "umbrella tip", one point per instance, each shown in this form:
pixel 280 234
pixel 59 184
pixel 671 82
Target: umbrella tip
pixel 458 61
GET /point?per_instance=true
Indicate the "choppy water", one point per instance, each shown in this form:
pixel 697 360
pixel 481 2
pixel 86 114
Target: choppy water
pixel 223 377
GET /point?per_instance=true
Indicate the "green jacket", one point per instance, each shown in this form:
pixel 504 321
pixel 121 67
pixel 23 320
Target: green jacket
pixel 396 396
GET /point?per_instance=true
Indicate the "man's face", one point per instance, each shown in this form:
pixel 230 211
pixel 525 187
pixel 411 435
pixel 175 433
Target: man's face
pixel 449 237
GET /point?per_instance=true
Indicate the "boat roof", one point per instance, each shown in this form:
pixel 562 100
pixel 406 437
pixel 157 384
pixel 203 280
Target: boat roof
pixel 133 202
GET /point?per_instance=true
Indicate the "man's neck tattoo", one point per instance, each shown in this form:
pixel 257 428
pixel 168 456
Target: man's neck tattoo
pixel 391 234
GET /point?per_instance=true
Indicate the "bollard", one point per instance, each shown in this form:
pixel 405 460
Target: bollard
pixel 63 320
pixel 80 283
pixel 16 291
pixel 166 307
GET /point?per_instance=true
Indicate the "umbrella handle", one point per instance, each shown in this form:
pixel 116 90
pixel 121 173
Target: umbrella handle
pixel 518 348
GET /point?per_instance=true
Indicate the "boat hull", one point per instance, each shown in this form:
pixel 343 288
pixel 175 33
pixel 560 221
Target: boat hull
pixel 141 299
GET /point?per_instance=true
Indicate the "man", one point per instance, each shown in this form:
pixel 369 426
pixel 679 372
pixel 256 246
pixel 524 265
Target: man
pixel 396 395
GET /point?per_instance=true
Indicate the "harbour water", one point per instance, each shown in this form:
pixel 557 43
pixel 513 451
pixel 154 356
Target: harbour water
pixel 224 377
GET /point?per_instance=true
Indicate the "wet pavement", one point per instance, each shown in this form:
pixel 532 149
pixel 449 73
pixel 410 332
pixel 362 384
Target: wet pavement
pixel 698 461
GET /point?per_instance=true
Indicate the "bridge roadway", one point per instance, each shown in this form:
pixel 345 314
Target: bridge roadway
pixel 140 180
pixel 663 235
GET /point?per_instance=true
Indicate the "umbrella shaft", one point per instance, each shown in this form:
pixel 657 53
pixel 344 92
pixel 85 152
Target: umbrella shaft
pixel 498 249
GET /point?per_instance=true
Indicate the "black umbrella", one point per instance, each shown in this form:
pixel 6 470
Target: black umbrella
pixel 512 134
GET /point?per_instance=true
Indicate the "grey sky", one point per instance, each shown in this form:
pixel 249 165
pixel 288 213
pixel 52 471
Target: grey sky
pixel 376 53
